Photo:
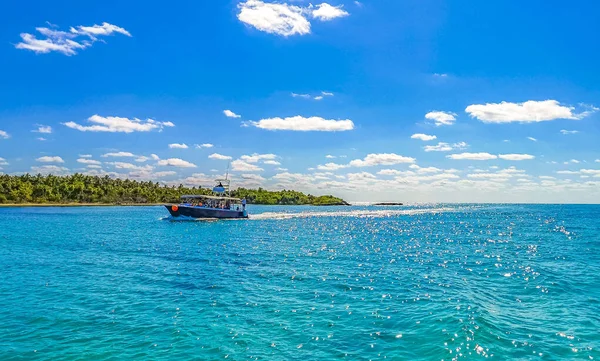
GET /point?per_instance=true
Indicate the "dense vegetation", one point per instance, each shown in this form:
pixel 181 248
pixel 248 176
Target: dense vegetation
pixel 79 188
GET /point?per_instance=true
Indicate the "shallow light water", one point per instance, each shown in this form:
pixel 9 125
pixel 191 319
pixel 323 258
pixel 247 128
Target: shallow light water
pixel 435 282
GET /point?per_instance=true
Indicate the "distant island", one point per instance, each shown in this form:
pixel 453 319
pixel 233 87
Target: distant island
pixel 388 204
pixel 79 189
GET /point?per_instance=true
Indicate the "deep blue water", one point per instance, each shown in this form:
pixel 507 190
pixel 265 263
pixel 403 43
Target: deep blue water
pixel 435 282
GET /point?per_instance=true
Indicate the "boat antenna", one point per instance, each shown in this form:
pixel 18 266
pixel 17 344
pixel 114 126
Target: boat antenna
pixel 227 173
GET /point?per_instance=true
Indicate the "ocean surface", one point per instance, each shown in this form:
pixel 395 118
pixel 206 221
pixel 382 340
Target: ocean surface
pixel 435 282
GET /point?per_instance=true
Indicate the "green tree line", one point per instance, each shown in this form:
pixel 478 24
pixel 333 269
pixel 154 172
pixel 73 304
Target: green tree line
pixel 79 188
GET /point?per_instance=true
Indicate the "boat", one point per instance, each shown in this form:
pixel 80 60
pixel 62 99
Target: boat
pixel 218 206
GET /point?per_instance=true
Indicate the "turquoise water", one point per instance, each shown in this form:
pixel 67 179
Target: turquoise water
pixel 435 282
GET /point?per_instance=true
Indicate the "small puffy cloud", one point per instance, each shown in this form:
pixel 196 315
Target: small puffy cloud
pixel 205 145
pixel 164 173
pixel 230 114
pixel 566 132
pixel 85 155
pixel 425 169
pixel 423 137
pixel 254 158
pixel 327 94
pixel 154 157
pixel 302 124
pixel 440 75
pixel 88 161
pixel 142 159
pixel 239 165
pixel 305 96
pixel 3 161
pixel 441 118
pixel 597 160
pixel 445 147
pixel 271 162
pixel 118 154
pixel 178 146
pixel 176 162
pixel 273 18
pixel 219 156
pixel 4 135
pixel 532 139
pixel 67 43
pixel 49 159
pixel 329 156
pixel 472 156
pixel 50 169
pixel 318 97
pixel 527 112
pixel 129 166
pixel 46 129
pixel 326 12
pixel 381 159
pixel 516 156
pixel 118 125
pixel 331 166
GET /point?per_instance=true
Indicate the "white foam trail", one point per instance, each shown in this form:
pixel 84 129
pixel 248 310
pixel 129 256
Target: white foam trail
pixel 362 213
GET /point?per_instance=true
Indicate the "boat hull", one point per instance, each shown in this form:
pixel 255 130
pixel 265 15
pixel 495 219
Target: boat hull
pixel 204 212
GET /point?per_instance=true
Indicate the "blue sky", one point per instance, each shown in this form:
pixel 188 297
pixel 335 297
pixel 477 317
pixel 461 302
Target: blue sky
pixel 509 89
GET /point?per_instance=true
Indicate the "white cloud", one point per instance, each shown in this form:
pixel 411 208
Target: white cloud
pixel 119 125
pixel 3 161
pixel 318 97
pixel 425 169
pixel 94 166
pixel 441 118
pixel 50 169
pixel 597 160
pixel 440 75
pixel 253 177
pixel 46 129
pixel 526 112
pixel 272 162
pixel 219 156
pixel 381 159
pixel 575 161
pixel 516 156
pixel 254 158
pixel 118 154
pixel 423 137
pixel 280 19
pixel 205 145
pixel 41 139
pixel 164 173
pixel 239 165
pixel 88 161
pixel 444 147
pixel 305 96
pixel 532 139
pixel 472 156
pixel 327 94
pixel 49 159
pixel 154 157
pixel 4 134
pixel 142 159
pixel 178 146
pixel 67 43
pixel 176 162
pixel 565 132
pixel 85 155
pixel 300 123
pixel 326 12
pixel 129 166
pixel 329 156
pixel 331 166
pixel 230 114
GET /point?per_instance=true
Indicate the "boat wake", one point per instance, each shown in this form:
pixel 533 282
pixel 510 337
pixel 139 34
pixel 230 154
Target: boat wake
pixel 362 213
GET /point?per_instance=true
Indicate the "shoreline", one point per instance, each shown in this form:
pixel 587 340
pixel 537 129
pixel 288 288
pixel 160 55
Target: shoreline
pixel 68 205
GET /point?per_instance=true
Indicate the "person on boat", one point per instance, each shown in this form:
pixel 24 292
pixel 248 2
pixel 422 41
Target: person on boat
pixel 244 203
